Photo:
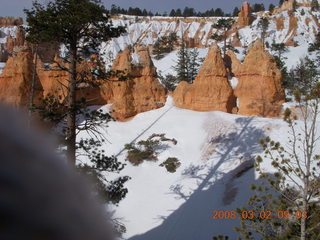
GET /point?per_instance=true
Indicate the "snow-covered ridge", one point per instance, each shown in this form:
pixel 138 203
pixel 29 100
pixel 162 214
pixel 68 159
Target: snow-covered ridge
pixel 294 29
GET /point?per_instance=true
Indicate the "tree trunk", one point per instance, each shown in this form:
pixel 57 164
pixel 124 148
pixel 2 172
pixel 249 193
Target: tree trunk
pixel 71 118
pixel 33 83
pixel 303 220
pixel 225 43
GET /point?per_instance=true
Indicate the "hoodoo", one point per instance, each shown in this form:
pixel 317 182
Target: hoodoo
pixel 141 91
pixel 16 79
pixel 245 17
pixel 259 90
pixel 210 90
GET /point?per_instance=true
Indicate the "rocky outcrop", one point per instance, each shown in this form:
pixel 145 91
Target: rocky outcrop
pixel 17 41
pixel 245 17
pixel 210 90
pixel 140 92
pixel 55 82
pixel 10 21
pixel 16 80
pixel 288 5
pixel 259 91
pixel 256 82
pixel 48 51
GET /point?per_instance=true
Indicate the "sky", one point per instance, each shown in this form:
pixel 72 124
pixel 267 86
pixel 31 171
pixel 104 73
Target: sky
pixel 15 7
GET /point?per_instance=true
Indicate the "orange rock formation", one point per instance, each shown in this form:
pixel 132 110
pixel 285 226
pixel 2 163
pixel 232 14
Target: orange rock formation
pixel 141 92
pixel 259 90
pixel 16 80
pixel 210 90
pixel 245 17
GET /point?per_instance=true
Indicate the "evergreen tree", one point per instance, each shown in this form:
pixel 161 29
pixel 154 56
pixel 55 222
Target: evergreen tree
pixel 271 7
pixel 188 64
pixel 144 12
pixel 263 24
pixel 303 77
pixel 315 5
pixel 182 66
pixel 315 47
pixel 194 63
pixel 172 13
pixel 257 7
pixel 178 12
pixel 235 12
pixel 164 44
pixel 225 25
pixel 81 25
pixel 218 12
pixel 289 197
pixel 279 49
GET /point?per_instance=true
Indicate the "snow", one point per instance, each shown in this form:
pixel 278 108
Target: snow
pixel 135 58
pixel 2 65
pixel 213 148
pixel 216 149
pixel 166 65
pixel 7 31
pixel 234 82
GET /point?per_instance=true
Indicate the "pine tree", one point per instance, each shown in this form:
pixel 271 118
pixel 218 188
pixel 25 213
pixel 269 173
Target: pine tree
pixel 290 195
pixel 315 5
pixel 218 12
pixel 271 7
pixel 178 12
pixel 263 24
pixel 157 49
pixel 81 25
pixel 235 12
pixel 188 64
pixel 165 44
pixel 172 13
pixel 182 67
pixel 303 77
pixel 194 64
pixel 258 7
pixel 225 25
pixel 279 49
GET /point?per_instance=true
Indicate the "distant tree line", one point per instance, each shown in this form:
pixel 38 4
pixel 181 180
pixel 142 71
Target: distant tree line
pixel 186 12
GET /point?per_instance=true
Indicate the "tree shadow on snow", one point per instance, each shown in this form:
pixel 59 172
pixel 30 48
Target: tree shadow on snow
pixel 217 190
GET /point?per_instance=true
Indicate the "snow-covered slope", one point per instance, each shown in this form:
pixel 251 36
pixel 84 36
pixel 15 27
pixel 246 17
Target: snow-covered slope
pixel 216 152
pixel 297 29
pixel 216 149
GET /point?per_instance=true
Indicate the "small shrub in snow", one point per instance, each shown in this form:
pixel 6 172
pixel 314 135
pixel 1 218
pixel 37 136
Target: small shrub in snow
pixel 171 164
pixel 147 150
